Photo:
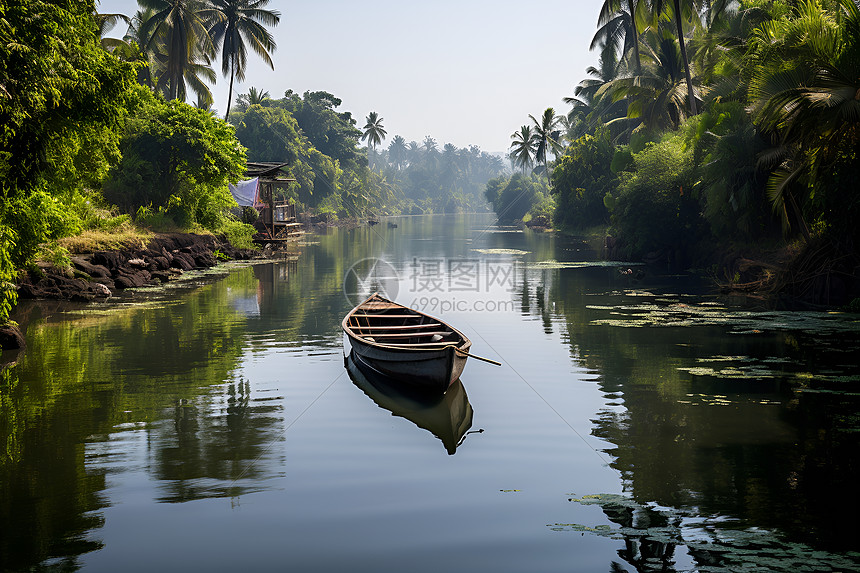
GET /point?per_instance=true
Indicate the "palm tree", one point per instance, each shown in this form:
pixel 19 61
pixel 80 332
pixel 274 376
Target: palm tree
pixel 106 23
pixel 804 90
pixel 546 136
pixel 450 168
pixel 195 74
pixel 608 68
pixel 242 21
pixel 691 7
pixel 204 104
pixel 619 23
pixel 397 151
pixel 177 29
pixel 373 132
pixel 414 153
pixel 431 152
pixel 719 51
pixel 133 43
pixel 429 145
pixel 257 97
pixel 587 108
pixel 253 97
pixel 523 148
pixel 656 97
pixel 133 33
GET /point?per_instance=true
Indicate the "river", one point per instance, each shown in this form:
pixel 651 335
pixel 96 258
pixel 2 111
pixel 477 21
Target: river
pixel 638 423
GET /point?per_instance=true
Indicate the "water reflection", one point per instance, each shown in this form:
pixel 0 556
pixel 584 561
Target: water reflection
pixel 448 417
pixel 765 436
pixel 662 539
pixel 210 447
pixel 92 390
pixel 188 398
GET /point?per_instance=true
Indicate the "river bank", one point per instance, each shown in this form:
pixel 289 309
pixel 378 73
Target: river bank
pixel 816 275
pixel 102 274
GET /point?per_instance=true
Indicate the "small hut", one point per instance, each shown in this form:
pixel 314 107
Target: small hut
pixel 277 221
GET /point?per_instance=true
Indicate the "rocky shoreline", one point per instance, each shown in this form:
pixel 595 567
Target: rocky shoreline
pixel 101 274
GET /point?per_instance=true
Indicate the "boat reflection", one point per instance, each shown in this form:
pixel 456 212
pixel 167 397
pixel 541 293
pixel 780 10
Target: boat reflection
pixel 447 416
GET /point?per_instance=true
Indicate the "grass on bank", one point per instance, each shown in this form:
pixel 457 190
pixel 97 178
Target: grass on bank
pixel 126 235
pixel 131 235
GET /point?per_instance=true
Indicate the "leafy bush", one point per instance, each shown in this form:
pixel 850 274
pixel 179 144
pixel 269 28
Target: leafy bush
pixel 39 218
pixel 238 233
pixel 513 198
pixel 542 211
pixel 655 207
pixel 176 157
pixel 727 147
pixel 55 254
pixel 158 219
pixel 61 113
pixel 8 294
pixel 272 134
pixel 581 179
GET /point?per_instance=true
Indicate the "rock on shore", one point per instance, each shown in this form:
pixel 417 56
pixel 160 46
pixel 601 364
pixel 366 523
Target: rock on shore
pixel 11 337
pixel 100 274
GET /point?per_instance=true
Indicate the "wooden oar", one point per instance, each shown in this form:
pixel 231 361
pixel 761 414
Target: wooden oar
pixel 476 357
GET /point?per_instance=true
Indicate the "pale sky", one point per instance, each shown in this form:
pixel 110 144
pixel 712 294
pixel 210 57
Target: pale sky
pixel 463 71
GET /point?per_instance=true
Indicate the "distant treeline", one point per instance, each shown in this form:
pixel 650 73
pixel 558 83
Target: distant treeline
pixel 335 176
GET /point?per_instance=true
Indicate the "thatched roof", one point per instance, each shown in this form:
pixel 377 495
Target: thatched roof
pixel 267 170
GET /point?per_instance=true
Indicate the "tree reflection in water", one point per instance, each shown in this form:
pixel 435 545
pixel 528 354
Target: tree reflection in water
pixel 666 540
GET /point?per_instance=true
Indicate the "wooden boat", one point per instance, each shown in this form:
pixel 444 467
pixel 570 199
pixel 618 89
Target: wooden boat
pixel 405 344
pixel 447 416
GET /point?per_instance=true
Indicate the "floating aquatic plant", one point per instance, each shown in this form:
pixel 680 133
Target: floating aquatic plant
pixel 501 251
pixel 671 314
pixel 553 264
pixel 715 543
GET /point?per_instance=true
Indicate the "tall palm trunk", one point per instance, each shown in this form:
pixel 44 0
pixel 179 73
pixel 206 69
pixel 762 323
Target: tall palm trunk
pixel 632 7
pixel 230 92
pixel 692 97
pixel 174 87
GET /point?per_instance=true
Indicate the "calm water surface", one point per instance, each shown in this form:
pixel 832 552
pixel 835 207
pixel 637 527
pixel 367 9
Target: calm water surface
pixel 637 420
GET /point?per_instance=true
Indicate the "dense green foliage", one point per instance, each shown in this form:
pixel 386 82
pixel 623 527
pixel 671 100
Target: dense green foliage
pixel 514 197
pixel 177 156
pixel 319 143
pixel 753 112
pixel 74 119
pixel 61 108
pixel 581 179
pixel 655 207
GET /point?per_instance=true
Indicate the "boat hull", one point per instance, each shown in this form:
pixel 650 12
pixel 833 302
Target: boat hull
pixel 431 370
pixel 406 345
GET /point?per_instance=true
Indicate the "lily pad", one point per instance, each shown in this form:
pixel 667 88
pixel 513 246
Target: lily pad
pixel 553 264
pixel 501 251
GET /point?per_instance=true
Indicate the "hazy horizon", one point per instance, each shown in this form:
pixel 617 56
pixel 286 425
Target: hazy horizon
pixel 467 73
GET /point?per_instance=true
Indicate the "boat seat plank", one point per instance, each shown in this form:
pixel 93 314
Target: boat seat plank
pixel 407 334
pixel 440 344
pixel 378 315
pixel 399 327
